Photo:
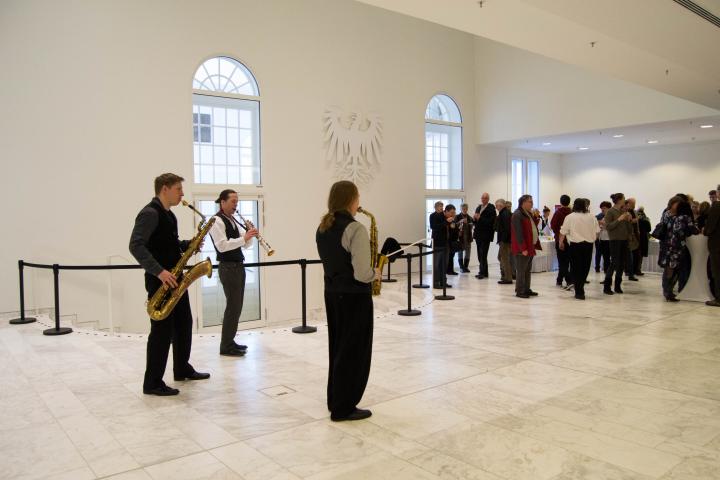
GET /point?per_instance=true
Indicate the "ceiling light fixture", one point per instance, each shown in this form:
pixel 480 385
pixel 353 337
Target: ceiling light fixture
pixel 545 144
pixel 583 148
pixel 619 135
pixel 652 141
pixel 707 126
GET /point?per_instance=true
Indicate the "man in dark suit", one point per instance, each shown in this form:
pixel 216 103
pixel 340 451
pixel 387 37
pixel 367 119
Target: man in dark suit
pixel 439 228
pixel 712 230
pixel 484 220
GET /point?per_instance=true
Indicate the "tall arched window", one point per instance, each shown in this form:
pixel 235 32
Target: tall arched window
pixel 226 123
pixel 443 144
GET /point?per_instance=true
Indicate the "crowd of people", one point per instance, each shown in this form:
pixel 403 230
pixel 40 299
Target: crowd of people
pixel 619 235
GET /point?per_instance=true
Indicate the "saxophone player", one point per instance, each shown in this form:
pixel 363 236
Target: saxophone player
pixel 344 248
pixel 155 244
pixel 229 242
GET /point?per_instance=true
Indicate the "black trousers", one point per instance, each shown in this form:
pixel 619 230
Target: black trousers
pixel 451 259
pixel 602 250
pixel 439 266
pixel 350 336
pixel 232 278
pixel 523 266
pixel 175 329
pixel 482 252
pixel 634 262
pixel 715 271
pixel 618 254
pixel 564 272
pixel 669 280
pixel 580 261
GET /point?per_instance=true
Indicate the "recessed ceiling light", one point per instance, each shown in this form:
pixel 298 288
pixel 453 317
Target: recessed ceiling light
pixel 619 135
pixel 652 141
pixel 583 148
pixel 545 144
pixel 706 126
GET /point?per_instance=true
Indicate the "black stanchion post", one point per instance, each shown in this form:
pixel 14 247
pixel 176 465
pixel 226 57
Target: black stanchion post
pixel 22 319
pixel 56 282
pixel 304 328
pixel 444 295
pixel 409 312
pixel 420 283
pixel 388 279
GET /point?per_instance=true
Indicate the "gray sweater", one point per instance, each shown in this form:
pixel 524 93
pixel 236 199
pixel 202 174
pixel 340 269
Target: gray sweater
pixel 616 229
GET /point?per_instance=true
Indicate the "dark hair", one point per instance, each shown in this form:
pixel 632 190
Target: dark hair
pixel 712 192
pixel 673 200
pixel 616 197
pixel 564 200
pixel 546 209
pixel 342 194
pixel 606 204
pixel 166 180
pixel 580 205
pixel 224 195
pixel 683 196
pixel 684 208
pixel 704 207
pixel 523 199
pixel 449 207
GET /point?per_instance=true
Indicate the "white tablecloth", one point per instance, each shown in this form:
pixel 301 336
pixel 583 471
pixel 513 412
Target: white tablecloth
pixel 697 288
pixel 650 263
pixel 546 259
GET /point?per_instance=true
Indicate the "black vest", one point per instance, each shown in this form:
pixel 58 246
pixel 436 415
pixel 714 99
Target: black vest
pixel 235 255
pixel 164 243
pixel 337 262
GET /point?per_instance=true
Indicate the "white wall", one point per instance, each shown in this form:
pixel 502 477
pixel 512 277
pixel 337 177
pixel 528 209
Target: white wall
pixel 520 94
pixel 651 174
pixel 97 96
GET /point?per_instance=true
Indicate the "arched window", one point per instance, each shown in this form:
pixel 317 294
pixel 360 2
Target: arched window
pixel 226 123
pixel 443 144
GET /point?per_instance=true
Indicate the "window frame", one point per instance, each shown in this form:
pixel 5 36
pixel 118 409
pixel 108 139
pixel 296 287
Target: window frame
pixel 526 188
pixel 460 168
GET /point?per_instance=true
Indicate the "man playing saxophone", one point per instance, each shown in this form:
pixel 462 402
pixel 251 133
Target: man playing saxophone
pixel 229 241
pixel 344 249
pixel 155 244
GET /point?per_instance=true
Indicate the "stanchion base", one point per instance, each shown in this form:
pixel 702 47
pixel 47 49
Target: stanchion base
pixel 58 331
pixel 304 329
pixel 420 285
pixel 389 280
pixel 22 321
pixel 444 297
pixel 409 313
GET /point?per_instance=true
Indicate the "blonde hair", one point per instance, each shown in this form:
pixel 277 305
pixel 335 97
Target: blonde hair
pixel 342 194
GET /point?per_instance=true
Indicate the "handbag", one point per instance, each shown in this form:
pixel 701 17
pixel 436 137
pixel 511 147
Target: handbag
pixel 660 231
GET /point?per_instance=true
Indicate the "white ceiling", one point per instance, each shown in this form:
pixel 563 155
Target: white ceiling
pixel 654 43
pixel 635 136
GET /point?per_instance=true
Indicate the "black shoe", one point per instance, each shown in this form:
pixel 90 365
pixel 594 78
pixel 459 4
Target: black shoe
pixel 607 291
pixel 505 282
pixel 192 376
pixel 451 273
pixel 634 279
pixel 580 297
pixel 618 290
pixel 531 293
pixel 671 298
pixel 640 273
pixel 713 303
pixel 466 270
pixel 161 391
pixel 240 347
pixel 235 352
pixel 522 295
pixel 597 269
pixel 479 276
pixel 357 414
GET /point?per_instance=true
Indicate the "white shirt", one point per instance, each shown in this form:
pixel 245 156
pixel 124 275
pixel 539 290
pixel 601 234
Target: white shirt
pixel 580 227
pixel 219 237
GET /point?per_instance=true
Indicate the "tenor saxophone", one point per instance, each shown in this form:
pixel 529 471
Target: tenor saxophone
pixel 377 260
pixel 165 298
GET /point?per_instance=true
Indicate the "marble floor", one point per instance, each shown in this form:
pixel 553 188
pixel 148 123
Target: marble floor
pixel 486 386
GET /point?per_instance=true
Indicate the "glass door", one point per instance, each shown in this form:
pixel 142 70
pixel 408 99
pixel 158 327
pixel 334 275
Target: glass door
pixel 211 296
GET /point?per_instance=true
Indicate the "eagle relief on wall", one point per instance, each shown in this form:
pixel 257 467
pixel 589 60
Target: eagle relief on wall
pixel 353 141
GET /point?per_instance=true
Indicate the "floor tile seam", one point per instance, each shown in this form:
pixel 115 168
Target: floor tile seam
pixel 421 467
pixel 270 460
